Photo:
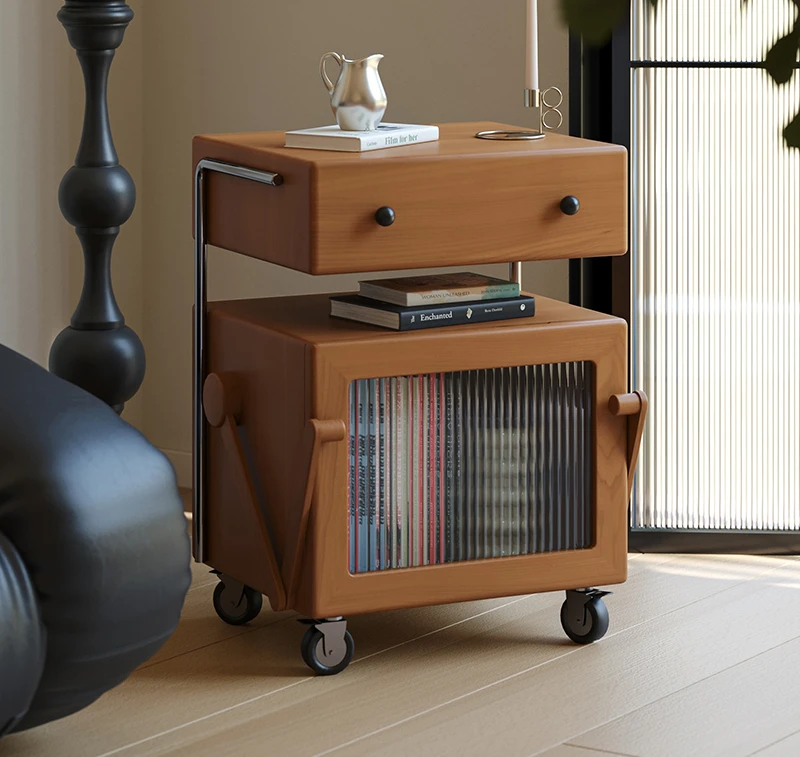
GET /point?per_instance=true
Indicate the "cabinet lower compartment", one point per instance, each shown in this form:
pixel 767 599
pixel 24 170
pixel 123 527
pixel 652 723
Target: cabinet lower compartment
pixel 469 465
pixel 356 469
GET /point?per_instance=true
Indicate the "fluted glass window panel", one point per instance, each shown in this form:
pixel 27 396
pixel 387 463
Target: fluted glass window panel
pixel 716 282
pixel 708 30
pixel 470 465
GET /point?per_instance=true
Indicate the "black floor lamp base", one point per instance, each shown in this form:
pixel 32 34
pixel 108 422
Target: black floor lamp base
pixel 97 195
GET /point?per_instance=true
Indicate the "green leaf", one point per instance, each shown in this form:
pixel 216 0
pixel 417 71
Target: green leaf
pixel 594 20
pixel 782 57
pixel 792 132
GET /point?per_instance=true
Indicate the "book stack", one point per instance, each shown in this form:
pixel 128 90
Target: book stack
pixel 422 302
pixel 469 465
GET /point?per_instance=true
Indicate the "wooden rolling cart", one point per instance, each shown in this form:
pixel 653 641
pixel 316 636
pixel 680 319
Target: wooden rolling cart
pixel 503 457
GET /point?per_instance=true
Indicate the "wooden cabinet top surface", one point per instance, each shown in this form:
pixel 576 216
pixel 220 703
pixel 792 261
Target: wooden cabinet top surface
pixel 308 319
pixel 257 149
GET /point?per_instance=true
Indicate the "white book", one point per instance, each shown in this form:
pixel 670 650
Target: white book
pixel 386 135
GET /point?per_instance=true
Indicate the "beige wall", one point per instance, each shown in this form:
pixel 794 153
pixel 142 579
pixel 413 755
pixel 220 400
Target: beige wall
pixel 193 66
pixel 41 110
pixel 250 65
pixel 39 257
pixel 125 105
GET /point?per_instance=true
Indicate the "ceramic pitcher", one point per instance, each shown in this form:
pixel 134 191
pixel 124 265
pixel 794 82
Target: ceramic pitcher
pixel 358 99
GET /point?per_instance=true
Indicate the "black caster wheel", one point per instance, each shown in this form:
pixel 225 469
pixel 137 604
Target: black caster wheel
pixel 324 661
pixel 585 621
pixel 236 604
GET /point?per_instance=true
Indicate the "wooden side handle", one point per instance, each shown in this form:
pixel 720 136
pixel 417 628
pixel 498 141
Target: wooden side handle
pixel 222 406
pixel 317 433
pixel 634 405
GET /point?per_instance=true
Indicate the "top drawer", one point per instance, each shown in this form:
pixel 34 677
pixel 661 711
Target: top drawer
pixel 458 201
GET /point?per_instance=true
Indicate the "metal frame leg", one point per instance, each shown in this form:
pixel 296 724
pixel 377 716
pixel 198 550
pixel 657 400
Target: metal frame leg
pixel 200 304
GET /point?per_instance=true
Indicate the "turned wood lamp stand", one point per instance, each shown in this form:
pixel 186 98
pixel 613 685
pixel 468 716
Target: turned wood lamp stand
pixel 97 351
pixel 500 456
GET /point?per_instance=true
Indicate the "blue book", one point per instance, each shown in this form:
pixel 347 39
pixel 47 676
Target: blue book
pixel 361 473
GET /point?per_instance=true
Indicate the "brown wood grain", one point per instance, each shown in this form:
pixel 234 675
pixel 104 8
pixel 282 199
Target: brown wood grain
pixel 458 201
pixel 308 320
pixel 276 591
pixel 634 406
pixel 290 347
pixel 273 415
pixel 319 433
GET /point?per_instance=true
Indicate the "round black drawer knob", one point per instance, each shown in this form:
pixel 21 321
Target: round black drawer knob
pixel 384 216
pixel 570 205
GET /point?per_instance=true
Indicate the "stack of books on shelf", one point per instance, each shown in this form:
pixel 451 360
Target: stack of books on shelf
pixel 423 302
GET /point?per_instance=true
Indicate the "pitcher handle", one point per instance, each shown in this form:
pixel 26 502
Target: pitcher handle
pixel 329 85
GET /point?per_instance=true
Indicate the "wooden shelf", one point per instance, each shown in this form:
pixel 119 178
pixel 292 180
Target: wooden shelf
pixel 307 318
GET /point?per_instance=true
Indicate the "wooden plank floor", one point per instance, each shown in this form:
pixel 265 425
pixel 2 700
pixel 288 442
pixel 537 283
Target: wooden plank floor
pixel 701 659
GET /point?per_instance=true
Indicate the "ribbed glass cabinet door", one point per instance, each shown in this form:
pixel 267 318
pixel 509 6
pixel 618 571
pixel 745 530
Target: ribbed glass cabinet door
pixel 470 465
pixel 716 277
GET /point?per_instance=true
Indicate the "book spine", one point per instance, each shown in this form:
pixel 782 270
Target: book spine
pixel 372 499
pixel 473 294
pixel 461 464
pixel 440 485
pixel 433 538
pixel 402 473
pixel 382 140
pixel 471 482
pixel 397 459
pixel 494 504
pixel 474 312
pixel 391 455
pixel 483 464
pixel 425 463
pixel 421 471
pixel 447 455
pixel 361 473
pixel 413 473
pixel 382 456
pixel 416 437
pixel 352 483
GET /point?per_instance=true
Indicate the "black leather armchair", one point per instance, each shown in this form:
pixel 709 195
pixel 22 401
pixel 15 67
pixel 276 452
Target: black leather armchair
pixel 94 549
